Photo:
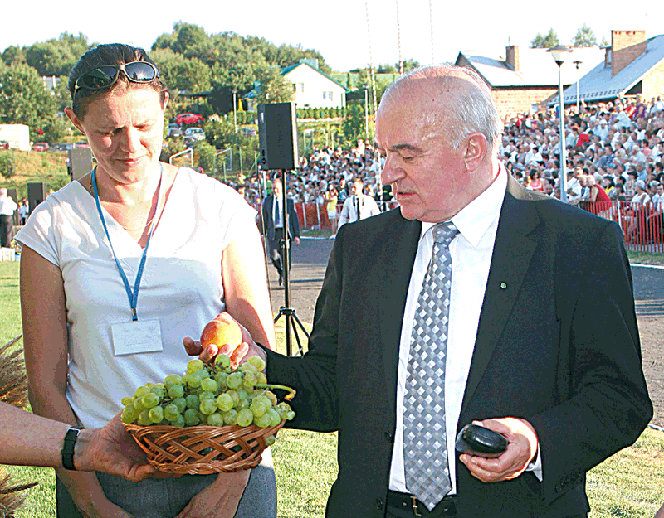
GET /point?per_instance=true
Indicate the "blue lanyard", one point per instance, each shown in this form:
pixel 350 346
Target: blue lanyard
pixel 133 296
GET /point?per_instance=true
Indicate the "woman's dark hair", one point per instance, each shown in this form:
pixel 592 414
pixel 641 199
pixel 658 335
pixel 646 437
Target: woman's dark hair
pixel 104 55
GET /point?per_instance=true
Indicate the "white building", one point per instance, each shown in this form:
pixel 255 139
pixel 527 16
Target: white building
pixel 16 135
pixel 312 88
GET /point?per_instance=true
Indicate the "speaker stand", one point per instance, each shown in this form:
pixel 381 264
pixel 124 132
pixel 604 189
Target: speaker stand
pixel 292 321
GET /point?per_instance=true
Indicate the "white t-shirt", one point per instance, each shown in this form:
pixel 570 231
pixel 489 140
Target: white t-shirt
pixel 181 285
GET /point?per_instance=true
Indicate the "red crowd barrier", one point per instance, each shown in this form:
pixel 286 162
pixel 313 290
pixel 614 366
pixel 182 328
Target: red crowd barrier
pixel 315 217
pixel 642 226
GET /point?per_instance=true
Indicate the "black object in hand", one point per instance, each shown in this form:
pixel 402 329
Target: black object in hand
pixel 479 441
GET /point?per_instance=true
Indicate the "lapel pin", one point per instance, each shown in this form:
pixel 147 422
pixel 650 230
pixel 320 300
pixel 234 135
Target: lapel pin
pixel 503 286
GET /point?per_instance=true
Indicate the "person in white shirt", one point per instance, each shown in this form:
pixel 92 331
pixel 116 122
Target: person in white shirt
pixel 529 331
pixel 357 206
pixel 7 209
pixel 23 211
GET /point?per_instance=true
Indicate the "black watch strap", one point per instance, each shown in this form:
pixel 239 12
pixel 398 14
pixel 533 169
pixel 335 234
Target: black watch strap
pixel 67 452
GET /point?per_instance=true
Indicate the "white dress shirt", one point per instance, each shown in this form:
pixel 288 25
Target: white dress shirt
pixel 358 207
pixel 471 254
pixel 7 206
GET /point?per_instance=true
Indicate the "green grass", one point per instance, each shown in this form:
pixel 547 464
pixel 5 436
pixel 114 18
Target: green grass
pixel 645 258
pixel 629 484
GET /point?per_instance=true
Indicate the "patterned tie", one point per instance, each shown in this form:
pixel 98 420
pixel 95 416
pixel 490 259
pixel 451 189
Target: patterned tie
pixel 424 435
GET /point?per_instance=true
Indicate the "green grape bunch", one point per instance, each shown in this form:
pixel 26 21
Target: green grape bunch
pixel 211 394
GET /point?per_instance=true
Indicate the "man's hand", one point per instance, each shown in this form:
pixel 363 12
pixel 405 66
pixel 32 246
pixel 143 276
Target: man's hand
pixel 296 240
pixel 220 499
pixel 112 450
pixel 521 450
pixel 238 354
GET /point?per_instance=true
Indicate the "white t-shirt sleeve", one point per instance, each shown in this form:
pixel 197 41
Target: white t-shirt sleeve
pixel 38 232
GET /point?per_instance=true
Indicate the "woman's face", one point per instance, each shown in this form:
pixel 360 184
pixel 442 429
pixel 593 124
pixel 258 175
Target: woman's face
pixel 125 129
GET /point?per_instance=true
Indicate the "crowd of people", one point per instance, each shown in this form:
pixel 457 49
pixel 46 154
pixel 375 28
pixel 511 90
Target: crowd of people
pixel 614 153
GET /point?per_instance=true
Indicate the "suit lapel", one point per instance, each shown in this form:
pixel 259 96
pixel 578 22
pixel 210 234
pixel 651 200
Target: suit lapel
pixel 399 255
pixel 510 261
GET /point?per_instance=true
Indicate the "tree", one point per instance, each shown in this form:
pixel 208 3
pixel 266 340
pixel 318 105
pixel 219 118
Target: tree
pixel 409 64
pixel 354 123
pixel 13 55
pixel 545 42
pixel 206 157
pixel 388 69
pixel 585 37
pixel 180 73
pixel 56 57
pixel 188 37
pixel 24 99
pixel 273 87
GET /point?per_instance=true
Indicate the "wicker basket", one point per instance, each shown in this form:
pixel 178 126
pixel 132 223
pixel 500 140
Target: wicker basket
pixel 201 450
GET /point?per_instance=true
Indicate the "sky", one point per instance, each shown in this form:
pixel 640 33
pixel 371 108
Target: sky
pixel 349 34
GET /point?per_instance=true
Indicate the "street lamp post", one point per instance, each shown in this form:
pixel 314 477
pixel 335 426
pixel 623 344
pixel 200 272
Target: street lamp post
pixel 558 52
pixel 366 114
pixel 235 108
pixel 578 86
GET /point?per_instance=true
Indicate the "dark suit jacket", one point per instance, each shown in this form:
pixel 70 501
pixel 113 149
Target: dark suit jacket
pixel 267 228
pixel 557 346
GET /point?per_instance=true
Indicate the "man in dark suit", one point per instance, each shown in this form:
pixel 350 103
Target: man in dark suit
pixel 273 224
pixel 539 343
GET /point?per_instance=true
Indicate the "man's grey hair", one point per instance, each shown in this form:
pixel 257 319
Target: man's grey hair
pixel 472 109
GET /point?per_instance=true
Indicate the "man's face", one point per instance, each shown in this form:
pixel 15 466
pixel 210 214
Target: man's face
pixel 428 177
pixel 357 188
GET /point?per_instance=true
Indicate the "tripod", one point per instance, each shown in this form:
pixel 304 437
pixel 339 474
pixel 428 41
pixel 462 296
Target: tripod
pixel 292 321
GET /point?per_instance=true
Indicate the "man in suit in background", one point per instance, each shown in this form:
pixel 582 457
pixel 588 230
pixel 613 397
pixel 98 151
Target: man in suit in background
pixel 496 304
pixel 358 205
pixel 273 224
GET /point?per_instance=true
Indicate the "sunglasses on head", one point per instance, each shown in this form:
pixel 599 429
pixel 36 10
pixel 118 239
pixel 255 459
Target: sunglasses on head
pixel 106 76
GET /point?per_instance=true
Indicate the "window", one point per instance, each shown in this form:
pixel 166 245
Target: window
pixel 299 87
pixel 328 95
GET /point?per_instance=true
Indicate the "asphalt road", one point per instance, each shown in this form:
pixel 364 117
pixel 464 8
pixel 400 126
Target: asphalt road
pixel 311 256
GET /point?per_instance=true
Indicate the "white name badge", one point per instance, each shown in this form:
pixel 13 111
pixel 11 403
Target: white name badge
pixel 142 336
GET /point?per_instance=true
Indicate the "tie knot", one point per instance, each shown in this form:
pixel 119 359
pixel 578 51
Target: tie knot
pixel 444 232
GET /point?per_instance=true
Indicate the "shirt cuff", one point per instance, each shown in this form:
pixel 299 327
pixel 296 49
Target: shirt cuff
pixel 536 465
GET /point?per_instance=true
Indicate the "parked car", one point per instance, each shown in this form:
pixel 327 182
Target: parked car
pixel 194 133
pixel 4 145
pixel 174 130
pixel 61 146
pixel 40 147
pixel 189 118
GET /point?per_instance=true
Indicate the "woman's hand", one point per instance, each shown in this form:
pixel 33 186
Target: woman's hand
pixel 220 499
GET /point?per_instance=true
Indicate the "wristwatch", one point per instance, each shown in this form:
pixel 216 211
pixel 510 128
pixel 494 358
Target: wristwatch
pixel 67 452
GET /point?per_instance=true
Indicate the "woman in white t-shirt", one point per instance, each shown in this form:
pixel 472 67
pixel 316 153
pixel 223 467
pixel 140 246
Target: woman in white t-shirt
pixel 185 243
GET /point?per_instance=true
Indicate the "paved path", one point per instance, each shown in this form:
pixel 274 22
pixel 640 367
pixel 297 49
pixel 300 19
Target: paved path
pixel 311 256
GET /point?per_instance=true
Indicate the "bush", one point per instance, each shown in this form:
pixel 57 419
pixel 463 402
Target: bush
pixel 206 156
pixel 7 164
